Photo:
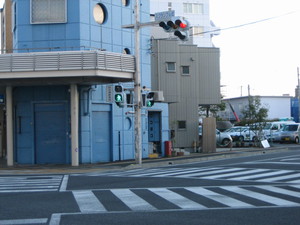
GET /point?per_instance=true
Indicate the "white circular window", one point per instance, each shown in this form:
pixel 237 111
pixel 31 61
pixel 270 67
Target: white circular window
pixel 100 13
pixel 125 2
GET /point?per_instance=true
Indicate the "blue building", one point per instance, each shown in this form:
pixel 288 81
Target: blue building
pixel 58 82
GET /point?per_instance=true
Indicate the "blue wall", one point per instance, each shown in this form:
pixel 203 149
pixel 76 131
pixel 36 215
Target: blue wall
pixel 25 99
pixel 295 109
pixel 81 32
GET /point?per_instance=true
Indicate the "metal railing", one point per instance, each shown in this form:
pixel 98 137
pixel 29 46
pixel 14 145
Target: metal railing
pixel 66 60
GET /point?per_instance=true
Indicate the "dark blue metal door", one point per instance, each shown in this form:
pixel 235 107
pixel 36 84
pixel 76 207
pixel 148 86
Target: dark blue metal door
pixel 50 123
pixel 101 136
pixel 154 126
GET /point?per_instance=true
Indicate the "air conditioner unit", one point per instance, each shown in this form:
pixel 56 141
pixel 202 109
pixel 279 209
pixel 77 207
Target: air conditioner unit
pixel 158 96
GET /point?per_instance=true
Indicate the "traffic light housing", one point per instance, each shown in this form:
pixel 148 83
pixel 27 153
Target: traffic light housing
pixel 119 96
pixel 179 26
pixel 150 99
pixel 165 26
pixel 182 31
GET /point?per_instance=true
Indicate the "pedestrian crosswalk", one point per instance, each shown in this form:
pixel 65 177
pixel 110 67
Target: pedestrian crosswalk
pixel 213 173
pixel 30 183
pixel 187 198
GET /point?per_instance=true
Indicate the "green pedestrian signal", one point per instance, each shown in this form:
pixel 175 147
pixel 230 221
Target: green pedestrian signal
pixel 149 99
pixel 150 103
pixel 118 97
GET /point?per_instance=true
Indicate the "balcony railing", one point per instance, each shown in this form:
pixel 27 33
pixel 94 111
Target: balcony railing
pixel 67 60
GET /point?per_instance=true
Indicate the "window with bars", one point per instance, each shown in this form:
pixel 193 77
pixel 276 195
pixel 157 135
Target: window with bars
pixel 185 70
pixel 48 11
pixel 171 67
pixel 193 8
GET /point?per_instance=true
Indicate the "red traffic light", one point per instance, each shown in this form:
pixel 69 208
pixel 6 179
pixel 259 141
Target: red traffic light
pixel 180 24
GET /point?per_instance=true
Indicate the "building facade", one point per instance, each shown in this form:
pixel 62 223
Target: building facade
pixel 196 12
pixel 189 76
pixel 58 83
pixel 279 107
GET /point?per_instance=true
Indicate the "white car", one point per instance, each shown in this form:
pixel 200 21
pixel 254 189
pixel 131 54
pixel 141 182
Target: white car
pixel 241 134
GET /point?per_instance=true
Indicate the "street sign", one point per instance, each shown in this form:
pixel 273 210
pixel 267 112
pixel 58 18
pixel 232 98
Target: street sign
pixel 163 16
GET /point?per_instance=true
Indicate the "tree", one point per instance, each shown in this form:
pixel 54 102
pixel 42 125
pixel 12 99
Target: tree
pixel 255 114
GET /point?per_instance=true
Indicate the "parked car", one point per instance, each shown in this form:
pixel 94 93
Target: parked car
pixel 222 139
pixel 272 128
pixel 241 133
pixel 289 133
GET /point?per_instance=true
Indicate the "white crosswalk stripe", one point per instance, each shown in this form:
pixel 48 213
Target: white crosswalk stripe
pixel 13 184
pixel 176 199
pixel 220 173
pixel 133 201
pixel 259 196
pixel 218 197
pixel 88 202
pixel 208 198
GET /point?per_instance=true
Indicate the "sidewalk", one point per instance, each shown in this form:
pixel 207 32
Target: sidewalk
pixel 221 153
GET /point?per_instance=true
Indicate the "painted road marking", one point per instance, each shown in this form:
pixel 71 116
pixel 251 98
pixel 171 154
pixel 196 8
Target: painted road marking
pixel 88 202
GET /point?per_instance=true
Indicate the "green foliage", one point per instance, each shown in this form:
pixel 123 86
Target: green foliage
pixel 254 112
pixel 212 109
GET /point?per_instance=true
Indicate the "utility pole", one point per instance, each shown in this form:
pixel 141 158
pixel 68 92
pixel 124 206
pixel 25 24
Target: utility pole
pixel 137 81
pixel 298 94
pixel 137 87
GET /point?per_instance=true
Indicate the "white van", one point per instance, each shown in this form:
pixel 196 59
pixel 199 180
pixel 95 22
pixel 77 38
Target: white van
pixel 271 127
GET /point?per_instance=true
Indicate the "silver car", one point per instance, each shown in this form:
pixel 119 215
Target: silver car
pixel 222 139
pixel 290 133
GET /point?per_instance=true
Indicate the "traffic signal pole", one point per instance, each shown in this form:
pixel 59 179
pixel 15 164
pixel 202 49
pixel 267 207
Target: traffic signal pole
pixel 137 79
pixel 137 87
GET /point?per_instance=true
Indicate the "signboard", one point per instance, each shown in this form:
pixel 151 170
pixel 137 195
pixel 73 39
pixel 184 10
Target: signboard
pixel 166 15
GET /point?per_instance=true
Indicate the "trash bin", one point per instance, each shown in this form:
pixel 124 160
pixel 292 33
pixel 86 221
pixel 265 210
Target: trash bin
pixel 168 148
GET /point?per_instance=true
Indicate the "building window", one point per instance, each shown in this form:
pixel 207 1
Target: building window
pixel 185 70
pixel 192 8
pixel 181 124
pixel 48 11
pixel 169 6
pixel 13 16
pixel 171 67
pixel 197 31
pixel 100 13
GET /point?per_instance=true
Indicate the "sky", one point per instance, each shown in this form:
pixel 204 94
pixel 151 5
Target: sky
pixel 263 56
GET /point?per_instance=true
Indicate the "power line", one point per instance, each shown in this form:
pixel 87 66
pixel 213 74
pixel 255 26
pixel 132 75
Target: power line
pixel 246 24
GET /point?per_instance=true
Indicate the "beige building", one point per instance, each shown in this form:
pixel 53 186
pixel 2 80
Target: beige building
pixel 189 76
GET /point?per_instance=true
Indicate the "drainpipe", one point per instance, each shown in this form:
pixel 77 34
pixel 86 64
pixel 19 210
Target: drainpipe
pixel 9 126
pixel 74 124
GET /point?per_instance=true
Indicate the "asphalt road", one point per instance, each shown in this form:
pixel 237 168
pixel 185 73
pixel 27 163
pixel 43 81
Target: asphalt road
pixel 261 189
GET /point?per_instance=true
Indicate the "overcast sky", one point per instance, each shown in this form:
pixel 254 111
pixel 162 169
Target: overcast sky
pixel 263 55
